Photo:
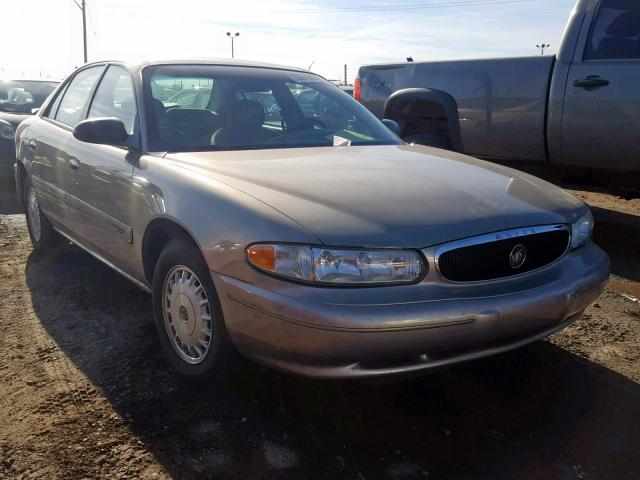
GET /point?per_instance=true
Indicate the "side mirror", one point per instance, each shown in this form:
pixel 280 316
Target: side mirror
pixel 392 125
pixel 106 131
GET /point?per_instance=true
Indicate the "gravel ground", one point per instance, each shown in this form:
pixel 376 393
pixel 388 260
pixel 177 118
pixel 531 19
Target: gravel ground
pixel 86 393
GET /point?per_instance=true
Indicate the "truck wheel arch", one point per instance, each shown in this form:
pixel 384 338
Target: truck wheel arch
pixel 410 104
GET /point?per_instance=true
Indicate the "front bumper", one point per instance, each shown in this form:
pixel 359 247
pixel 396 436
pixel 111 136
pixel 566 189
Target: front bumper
pixel 343 333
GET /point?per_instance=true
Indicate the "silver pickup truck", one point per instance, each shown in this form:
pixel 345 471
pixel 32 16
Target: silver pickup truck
pixel 578 108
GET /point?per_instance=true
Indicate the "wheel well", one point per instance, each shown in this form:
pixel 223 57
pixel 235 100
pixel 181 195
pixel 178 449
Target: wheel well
pixel 424 117
pixel 424 110
pixel 157 235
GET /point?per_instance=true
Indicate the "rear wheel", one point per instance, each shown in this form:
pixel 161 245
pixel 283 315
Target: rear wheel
pixel 187 312
pixel 43 236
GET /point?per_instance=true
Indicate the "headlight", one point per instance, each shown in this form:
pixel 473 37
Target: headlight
pixel 337 266
pixel 7 131
pixel 581 230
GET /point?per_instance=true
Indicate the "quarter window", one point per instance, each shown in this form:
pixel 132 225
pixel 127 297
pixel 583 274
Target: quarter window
pixel 77 95
pixel 616 31
pixel 115 98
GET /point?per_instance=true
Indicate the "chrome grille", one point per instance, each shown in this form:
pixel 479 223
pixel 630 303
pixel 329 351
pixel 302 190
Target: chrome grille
pixel 499 255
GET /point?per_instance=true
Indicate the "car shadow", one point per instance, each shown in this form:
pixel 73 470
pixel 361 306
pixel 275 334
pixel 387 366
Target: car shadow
pixel 539 412
pixel 621 241
pixel 9 204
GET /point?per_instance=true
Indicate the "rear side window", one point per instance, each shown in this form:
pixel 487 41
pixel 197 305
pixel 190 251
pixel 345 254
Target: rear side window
pixel 75 99
pixel 616 31
pixel 115 98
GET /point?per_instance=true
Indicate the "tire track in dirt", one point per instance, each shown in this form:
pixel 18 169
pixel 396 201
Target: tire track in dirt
pixel 57 427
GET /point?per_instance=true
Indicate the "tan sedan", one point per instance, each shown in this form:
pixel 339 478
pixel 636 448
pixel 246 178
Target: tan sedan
pixel 307 237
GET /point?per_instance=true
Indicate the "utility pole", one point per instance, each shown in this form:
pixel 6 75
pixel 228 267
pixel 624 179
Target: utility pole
pixel 83 9
pixel 345 74
pixel 542 46
pixel 232 37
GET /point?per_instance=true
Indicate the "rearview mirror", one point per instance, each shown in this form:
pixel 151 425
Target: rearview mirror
pixel 392 125
pixel 106 131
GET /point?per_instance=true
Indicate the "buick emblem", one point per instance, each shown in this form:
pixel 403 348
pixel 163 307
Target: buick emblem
pixel 517 256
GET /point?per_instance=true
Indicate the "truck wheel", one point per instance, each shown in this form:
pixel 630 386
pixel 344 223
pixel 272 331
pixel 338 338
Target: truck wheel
pixel 187 312
pixel 429 139
pixel 43 236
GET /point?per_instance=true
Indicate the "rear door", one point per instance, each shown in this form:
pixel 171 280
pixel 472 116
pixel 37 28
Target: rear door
pixel 48 139
pixel 601 116
pixel 101 193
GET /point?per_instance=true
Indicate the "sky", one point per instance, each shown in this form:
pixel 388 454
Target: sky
pixel 43 38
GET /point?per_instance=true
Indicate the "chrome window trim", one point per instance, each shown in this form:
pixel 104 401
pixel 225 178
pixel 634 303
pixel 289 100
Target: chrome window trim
pixel 494 237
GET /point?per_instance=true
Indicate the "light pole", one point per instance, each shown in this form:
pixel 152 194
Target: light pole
pixel 83 8
pixel 232 37
pixel 542 46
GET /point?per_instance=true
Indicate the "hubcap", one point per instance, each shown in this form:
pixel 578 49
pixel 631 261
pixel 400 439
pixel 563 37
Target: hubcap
pixel 187 314
pixel 33 212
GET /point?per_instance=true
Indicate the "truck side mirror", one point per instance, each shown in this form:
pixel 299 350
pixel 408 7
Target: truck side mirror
pixel 392 125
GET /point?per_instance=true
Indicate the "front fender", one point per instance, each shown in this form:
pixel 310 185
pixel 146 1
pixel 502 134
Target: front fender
pixel 221 219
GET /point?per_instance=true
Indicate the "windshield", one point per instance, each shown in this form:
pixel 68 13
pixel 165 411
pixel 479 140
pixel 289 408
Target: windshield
pixel 23 96
pixel 194 108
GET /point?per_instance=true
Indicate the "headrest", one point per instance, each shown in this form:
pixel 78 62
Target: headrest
pixel 158 106
pixel 626 25
pixel 246 113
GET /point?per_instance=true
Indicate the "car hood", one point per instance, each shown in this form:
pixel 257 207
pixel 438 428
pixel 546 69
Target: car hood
pixel 392 196
pixel 13 118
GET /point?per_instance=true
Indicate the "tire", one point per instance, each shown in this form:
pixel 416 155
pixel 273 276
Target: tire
pixel 429 139
pixel 181 321
pixel 43 236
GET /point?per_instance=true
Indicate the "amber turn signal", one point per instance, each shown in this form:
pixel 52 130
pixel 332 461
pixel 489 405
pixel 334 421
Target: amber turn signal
pixel 262 256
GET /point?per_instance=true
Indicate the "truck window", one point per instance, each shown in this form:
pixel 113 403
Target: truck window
pixel 615 33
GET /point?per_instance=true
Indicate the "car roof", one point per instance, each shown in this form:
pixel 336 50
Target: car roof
pixel 138 65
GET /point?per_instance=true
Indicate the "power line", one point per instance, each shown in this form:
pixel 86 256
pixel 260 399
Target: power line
pixel 375 8
pixel 410 6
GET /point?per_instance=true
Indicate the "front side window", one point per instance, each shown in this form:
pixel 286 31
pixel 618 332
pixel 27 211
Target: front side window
pixel 616 31
pixel 77 95
pixel 253 108
pixel 115 97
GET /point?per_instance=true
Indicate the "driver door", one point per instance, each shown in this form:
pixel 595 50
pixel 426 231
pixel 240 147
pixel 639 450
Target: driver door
pixel 601 117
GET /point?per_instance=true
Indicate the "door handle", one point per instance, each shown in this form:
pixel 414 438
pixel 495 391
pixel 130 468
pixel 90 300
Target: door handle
pixel 32 144
pixel 591 82
pixel 74 164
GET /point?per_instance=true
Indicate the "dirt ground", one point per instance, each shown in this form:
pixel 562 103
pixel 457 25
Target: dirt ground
pixel 86 393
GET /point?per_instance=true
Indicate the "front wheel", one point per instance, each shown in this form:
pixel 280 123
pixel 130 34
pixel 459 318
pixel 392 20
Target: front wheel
pixel 43 236
pixel 187 312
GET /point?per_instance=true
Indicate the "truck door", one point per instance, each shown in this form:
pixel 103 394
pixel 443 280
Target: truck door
pixel 601 115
